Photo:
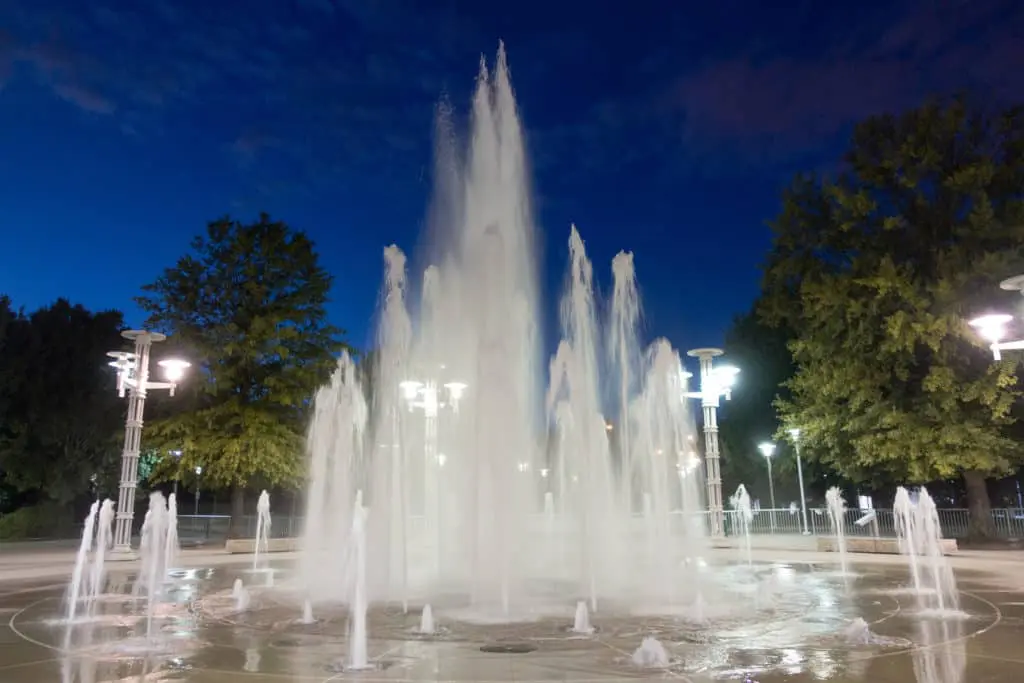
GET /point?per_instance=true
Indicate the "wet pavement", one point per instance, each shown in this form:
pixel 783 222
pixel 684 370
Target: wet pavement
pixel 780 621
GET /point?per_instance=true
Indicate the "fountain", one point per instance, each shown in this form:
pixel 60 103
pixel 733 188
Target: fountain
pixel 651 654
pixel 920 538
pixel 427 625
pixel 153 549
pixel 358 653
pixel 452 450
pixel 743 515
pixel 262 535
pixel 581 622
pixel 836 505
pixel 171 544
pixel 307 613
pixel 87 577
pixel 240 595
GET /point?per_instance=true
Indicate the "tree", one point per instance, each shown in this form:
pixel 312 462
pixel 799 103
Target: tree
pixel 877 272
pixel 61 418
pixel 248 305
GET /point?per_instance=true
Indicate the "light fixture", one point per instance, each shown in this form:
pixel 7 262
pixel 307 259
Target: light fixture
pixel 410 389
pixel 174 368
pixel 767 449
pixel 794 433
pixel 455 389
pixel 725 375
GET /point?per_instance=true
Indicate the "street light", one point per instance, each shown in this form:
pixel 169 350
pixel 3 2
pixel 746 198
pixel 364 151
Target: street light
pixel 992 327
pixel 767 449
pixel 133 379
pixel 199 473
pixel 795 435
pixel 714 383
pixel 425 396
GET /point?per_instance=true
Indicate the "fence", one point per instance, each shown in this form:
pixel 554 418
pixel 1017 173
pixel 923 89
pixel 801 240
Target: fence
pixel 1008 523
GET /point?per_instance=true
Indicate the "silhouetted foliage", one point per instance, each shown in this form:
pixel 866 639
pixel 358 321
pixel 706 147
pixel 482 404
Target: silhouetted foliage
pixel 60 418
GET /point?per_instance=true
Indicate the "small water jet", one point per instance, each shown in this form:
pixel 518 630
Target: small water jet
pixel 307 613
pixel 262 533
pixel 651 654
pixel 427 625
pixel 920 538
pixel 240 595
pixel 743 514
pixel 581 622
pixel 836 505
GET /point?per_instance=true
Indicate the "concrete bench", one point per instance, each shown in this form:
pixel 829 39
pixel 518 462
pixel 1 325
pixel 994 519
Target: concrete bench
pixel 884 546
pixel 247 546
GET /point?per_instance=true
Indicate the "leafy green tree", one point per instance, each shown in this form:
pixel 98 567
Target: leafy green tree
pixel 248 305
pixel 877 272
pixel 61 418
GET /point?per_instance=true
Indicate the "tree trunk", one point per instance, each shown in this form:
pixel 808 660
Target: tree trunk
pixel 980 525
pixel 236 527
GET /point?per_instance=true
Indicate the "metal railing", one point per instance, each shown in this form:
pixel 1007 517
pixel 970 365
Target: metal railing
pixel 1008 523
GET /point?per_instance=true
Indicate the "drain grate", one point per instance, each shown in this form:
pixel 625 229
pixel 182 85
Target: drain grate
pixel 508 648
pixel 287 642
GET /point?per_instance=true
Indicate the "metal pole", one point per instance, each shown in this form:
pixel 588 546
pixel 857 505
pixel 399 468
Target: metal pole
pixel 130 452
pixel 709 402
pixel 803 498
pixel 771 491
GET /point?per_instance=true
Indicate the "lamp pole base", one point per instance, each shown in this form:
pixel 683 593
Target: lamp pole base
pixel 122 554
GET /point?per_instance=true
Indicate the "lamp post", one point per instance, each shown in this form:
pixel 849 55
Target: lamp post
pixel 714 383
pixel 795 435
pixel 199 473
pixel 992 327
pixel 768 450
pixel 426 397
pixel 133 379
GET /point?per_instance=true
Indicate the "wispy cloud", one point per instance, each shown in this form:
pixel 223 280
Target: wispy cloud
pixel 766 107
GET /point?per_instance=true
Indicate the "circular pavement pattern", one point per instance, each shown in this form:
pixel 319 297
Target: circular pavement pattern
pixel 788 622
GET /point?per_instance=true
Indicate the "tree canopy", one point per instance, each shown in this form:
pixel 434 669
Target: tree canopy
pixel 877 272
pixel 60 417
pixel 248 306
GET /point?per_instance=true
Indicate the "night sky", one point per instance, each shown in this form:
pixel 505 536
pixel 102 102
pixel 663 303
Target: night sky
pixel 667 128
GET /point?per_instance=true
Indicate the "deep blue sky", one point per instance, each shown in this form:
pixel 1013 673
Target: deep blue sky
pixel 664 127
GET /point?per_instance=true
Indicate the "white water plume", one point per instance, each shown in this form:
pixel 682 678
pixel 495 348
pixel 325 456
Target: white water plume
pixel 453 450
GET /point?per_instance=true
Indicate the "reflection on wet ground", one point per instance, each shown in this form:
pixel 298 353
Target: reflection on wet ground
pixel 802 623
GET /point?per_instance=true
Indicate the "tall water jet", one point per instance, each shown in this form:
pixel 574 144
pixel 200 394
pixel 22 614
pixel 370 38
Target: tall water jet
pixel 624 350
pixel 744 515
pixel 172 546
pixel 836 505
pixel 153 556
pixel 262 529
pixel 78 574
pixel 453 449
pixel 89 574
pixel 920 537
pixel 358 655
pixel 336 445
pixel 392 388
